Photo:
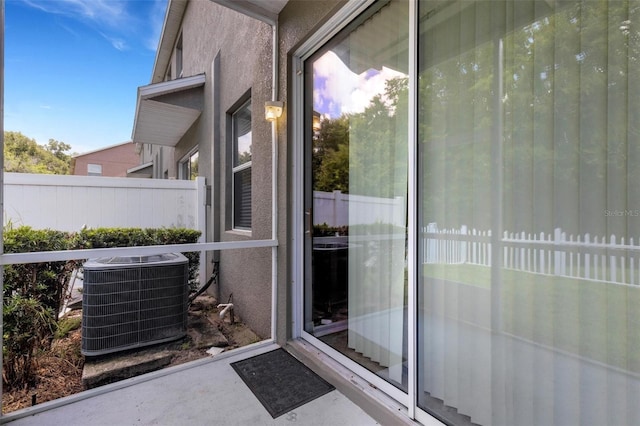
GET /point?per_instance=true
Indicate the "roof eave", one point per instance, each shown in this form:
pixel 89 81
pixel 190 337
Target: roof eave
pixel 170 29
pixel 161 123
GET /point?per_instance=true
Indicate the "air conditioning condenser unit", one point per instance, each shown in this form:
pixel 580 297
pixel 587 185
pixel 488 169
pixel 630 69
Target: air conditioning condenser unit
pixel 129 302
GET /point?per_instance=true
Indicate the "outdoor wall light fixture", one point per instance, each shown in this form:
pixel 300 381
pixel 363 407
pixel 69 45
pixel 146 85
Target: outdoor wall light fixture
pixel 273 110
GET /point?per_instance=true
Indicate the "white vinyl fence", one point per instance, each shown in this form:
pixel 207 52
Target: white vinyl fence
pixel 339 209
pixel 585 257
pixel 67 203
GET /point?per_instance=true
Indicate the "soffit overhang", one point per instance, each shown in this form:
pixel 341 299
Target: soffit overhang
pixel 263 10
pixel 165 111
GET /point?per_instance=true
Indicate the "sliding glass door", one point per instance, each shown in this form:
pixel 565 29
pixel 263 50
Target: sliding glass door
pixel 520 189
pixel 356 192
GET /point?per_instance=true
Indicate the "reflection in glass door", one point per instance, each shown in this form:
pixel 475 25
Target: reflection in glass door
pixel 529 152
pixel 356 192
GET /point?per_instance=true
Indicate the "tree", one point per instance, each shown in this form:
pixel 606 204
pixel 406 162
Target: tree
pixel 362 153
pixel 58 149
pixel 331 155
pixel 24 155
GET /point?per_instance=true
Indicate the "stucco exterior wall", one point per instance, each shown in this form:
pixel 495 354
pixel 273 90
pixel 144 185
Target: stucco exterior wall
pixel 234 52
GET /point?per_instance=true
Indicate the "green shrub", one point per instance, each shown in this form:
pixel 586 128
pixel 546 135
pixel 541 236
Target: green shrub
pixel 28 327
pixel 45 281
pixel 135 237
pixel 324 230
pixel 32 298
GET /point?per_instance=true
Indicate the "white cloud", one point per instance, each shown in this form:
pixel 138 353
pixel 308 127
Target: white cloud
pixel 155 21
pixel 104 12
pixel 339 90
pixel 116 42
pixel 119 22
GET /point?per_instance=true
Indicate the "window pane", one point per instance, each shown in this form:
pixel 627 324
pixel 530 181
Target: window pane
pixel 242 135
pixel 193 166
pixel 94 169
pixel 529 209
pixel 242 199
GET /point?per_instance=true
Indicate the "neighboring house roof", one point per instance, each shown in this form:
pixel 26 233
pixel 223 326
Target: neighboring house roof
pixel 111 160
pixel 100 149
pixel 143 170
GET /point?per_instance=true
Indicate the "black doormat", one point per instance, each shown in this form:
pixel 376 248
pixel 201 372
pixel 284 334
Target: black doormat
pixel 280 382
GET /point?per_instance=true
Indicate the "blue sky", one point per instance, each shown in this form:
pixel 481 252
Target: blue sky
pixel 72 67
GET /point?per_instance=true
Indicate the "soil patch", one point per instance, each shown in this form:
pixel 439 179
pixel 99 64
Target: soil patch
pixel 60 368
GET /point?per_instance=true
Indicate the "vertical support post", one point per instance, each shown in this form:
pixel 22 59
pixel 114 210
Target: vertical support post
pixel 413 266
pixel 274 185
pixel 1 174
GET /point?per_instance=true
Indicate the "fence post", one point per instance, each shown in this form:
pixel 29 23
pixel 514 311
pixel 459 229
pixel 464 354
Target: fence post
pixel 464 244
pixel 587 257
pixel 612 260
pixel 632 265
pixel 201 221
pixel 556 253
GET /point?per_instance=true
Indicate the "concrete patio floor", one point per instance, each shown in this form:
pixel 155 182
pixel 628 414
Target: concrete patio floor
pixel 202 392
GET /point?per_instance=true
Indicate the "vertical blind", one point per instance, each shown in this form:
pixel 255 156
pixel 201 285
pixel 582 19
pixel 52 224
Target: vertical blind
pixel 530 151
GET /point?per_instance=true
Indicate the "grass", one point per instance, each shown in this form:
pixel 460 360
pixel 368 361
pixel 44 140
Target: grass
pixel 592 319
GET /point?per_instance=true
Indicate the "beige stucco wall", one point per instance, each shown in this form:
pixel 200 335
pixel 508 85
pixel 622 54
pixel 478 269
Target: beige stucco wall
pixel 239 44
pixel 235 53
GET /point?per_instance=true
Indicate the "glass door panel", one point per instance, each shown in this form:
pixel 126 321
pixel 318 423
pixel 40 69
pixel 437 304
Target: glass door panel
pixel 528 202
pixel 356 192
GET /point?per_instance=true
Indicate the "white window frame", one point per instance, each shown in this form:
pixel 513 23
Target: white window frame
pixel 179 58
pixel 184 165
pixel 237 169
pixel 94 169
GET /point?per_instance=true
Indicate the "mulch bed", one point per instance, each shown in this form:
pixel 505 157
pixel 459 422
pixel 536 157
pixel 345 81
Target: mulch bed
pixel 59 370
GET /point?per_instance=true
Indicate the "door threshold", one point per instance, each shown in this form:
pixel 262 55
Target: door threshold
pixel 367 396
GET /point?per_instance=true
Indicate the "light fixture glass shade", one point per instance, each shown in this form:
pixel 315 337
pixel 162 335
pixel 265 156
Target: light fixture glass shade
pixel 273 110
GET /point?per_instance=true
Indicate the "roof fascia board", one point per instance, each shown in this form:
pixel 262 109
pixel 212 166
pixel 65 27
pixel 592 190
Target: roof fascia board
pixel 170 86
pixel 168 36
pixel 250 9
pixel 82 154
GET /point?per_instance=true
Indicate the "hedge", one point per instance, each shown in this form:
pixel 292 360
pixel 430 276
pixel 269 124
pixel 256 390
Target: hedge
pixel 33 293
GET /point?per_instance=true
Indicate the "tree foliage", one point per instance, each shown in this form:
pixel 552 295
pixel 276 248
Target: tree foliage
pixel 370 147
pixel 24 155
pixel 554 117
